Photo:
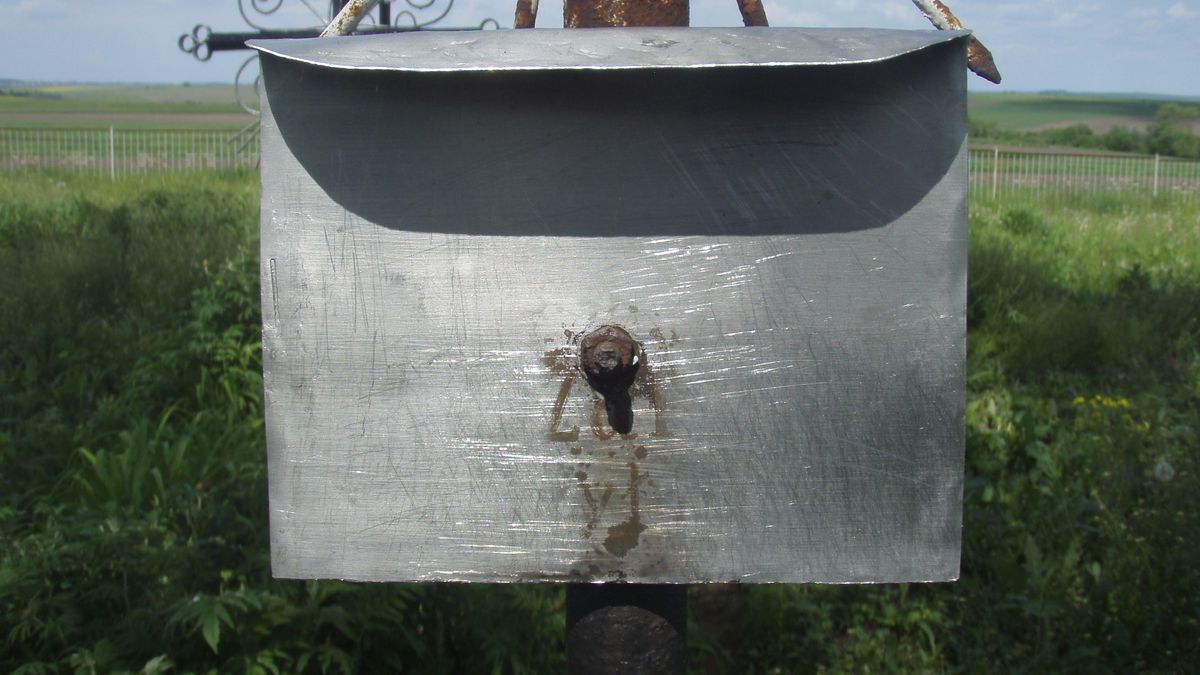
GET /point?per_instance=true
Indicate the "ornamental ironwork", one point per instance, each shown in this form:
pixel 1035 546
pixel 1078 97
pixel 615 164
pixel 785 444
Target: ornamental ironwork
pixel 389 16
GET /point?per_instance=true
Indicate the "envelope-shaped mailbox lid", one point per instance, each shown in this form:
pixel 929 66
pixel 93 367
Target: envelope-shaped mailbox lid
pixel 776 217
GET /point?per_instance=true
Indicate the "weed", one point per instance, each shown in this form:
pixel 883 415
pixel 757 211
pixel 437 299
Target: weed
pixel 133 482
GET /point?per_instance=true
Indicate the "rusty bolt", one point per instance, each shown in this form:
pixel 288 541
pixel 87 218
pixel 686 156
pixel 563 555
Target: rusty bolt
pixel 610 359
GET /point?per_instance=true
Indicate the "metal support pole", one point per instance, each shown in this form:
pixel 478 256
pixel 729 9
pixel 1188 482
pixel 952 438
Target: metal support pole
pixel 1157 161
pixel 112 154
pixel 635 629
pixel 995 170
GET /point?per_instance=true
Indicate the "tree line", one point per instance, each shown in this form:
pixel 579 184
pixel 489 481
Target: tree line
pixel 1170 134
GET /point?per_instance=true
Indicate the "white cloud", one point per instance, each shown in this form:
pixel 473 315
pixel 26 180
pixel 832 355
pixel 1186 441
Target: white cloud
pixel 1075 13
pixel 1155 17
pixel 1180 11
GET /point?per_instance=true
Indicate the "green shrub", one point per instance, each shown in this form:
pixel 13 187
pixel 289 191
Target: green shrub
pixel 133 481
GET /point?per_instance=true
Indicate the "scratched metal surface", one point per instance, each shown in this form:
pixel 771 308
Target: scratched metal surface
pixel 788 244
pixel 608 49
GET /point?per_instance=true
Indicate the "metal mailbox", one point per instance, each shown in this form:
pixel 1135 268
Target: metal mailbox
pixel 775 217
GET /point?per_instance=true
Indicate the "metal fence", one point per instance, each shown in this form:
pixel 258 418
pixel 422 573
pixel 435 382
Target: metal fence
pixel 1007 175
pixel 1010 175
pixel 121 152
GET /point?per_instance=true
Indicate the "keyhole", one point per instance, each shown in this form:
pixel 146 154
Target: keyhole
pixel 610 359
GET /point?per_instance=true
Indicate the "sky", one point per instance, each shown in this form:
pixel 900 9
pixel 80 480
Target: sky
pixel 1125 46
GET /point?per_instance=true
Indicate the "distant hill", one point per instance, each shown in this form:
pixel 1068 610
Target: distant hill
pixel 1052 110
pixel 29 104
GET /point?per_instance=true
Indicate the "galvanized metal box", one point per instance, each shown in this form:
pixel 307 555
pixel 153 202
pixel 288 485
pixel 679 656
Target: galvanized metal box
pixel 777 215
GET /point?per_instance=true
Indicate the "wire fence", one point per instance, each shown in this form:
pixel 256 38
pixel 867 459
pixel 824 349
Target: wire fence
pixel 123 152
pixel 1040 175
pixel 1005 175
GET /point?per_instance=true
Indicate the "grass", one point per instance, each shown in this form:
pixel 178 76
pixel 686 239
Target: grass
pixel 123 97
pixel 155 94
pixel 114 104
pixel 133 482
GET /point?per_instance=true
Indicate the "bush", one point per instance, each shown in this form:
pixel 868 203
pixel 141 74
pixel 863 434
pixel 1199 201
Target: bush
pixel 1170 135
pixel 133 482
pixel 132 462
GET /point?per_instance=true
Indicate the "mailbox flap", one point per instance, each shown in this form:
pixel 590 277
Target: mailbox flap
pixel 769 258
pixel 606 48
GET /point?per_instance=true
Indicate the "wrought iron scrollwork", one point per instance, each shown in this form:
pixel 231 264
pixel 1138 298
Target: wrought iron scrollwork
pixel 196 42
pixel 407 18
pixel 202 42
pixel 254 84
pixel 263 8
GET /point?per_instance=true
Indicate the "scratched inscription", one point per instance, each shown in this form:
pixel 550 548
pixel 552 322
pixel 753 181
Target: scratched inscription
pixel 609 467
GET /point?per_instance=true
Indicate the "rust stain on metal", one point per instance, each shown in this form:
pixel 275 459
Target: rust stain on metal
pixel 619 13
pixel 348 17
pixel 623 537
pixel 560 403
pixel 610 360
pixel 614 365
pixel 596 507
pixel 648 382
pixel 609 356
pixel 647 387
pixel 558 361
pixel 526 14
pixel 599 418
pixel 979 58
pixel 753 13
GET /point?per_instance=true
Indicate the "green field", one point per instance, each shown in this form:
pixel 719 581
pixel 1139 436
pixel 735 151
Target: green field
pixel 133 482
pixel 201 106
pixel 1026 111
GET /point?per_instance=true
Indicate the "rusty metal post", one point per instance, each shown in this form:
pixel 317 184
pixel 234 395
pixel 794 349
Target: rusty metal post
pixel 753 13
pixel 622 628
pixel 606 13
pixel 639 629
pixel 979 58
pixel 610 13
pixel 635 629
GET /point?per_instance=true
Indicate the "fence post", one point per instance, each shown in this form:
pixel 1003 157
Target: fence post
pixel 995 170
pixel 1157 160
pixel 112 154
